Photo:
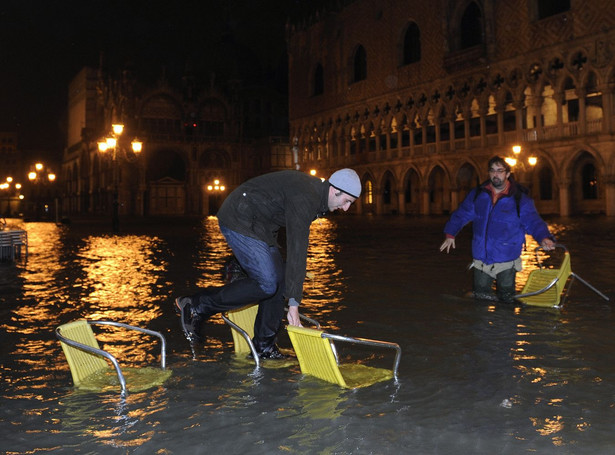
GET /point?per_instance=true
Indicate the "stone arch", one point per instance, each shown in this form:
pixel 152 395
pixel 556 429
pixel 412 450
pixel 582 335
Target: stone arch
pixel 586 172
pixel 466 178
pixel 389 193
pixel 438 189
pixel 412 191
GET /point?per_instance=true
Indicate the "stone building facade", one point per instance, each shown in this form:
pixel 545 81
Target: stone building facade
pixel 193 135
pixel 417 96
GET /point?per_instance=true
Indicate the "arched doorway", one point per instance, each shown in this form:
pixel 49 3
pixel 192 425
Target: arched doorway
pixel 587 190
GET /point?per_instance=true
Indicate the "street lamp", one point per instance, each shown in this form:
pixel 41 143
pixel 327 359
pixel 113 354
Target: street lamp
pixel 112 143
pixel 515 159
pixel 40 176
pixel 216 186
pixel 313 173
pixel 215 190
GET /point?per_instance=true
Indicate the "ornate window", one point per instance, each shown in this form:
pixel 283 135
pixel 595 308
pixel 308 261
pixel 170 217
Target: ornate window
pixel 412 44
pixel 471 27
pixel 359 64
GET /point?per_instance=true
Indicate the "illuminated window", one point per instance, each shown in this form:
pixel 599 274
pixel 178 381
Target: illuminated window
pixel 369 192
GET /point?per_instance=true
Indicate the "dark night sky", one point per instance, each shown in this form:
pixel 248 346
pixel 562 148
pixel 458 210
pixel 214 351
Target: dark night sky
pixel 44 43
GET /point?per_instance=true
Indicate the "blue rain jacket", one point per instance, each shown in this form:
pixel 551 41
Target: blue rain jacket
pixel 498 230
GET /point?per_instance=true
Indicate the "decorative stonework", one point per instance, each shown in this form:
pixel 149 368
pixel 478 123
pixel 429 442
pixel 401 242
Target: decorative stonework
pixel 455 108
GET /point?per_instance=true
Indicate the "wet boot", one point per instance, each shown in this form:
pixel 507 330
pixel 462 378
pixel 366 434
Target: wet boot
pixel 190 320
pixel 267 325
pixel 269 352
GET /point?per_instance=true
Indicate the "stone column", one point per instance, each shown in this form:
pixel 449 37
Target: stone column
pixel 559 98
pixel 379 151
pixel 564 198
pixel 483 125
pixel 401 200
pixel 425 206
pixel 581 92
pixel 412 145
pixel 378 202
pixel 454 198
pixel 467 114
pixel 359 204
pixel 607 108
pixel 451 134
pixel 499 110
pixel 609 194
pixel 518 105
pixel 536 106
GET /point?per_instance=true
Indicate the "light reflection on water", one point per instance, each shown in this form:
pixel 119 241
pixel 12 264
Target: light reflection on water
pixel 473 379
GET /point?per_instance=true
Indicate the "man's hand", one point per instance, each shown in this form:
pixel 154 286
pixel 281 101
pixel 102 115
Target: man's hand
pixel 447 244
pixel 293 316
pixel 547 244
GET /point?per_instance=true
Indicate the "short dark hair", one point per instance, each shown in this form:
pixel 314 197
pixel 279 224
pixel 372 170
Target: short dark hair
pixel 498 160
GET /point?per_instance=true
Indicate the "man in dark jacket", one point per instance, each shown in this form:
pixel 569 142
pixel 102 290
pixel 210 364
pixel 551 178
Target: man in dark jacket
pixel 501 213
pixel 249 219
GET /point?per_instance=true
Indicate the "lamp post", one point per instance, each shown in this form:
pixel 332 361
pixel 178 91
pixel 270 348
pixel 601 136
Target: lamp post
pixel 39 176
pixel 215 190
pixel 113 144
pixel 517 160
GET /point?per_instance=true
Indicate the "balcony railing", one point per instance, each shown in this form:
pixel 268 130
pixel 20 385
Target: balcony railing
pixel 507 138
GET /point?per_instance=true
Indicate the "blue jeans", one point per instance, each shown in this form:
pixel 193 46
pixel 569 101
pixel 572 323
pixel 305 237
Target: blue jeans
pixel 264 267
pixel 261 262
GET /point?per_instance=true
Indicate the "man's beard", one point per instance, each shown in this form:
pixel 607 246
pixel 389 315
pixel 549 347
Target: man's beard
pixel 498 183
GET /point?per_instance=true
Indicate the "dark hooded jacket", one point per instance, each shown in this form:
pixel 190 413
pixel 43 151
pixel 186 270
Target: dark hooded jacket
pixel 498 230
pixel 259 207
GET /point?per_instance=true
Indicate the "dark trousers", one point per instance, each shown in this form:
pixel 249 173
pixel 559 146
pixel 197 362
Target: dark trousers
pixel 504 283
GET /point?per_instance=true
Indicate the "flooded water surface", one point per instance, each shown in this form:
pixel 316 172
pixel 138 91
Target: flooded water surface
pixel 474 378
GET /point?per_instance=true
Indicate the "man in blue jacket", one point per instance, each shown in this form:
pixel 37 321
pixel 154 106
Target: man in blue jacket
pixel 501 213
pixel 250 219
